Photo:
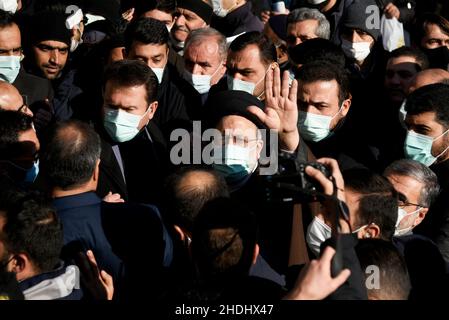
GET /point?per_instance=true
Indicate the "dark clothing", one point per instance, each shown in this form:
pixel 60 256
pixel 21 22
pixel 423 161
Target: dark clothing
pixel 35 89
pixel 238 21
pixel 436 224
pixel 67 101
pixel 81 218
pixel 171 111
pixel 426 267
pixel 136 169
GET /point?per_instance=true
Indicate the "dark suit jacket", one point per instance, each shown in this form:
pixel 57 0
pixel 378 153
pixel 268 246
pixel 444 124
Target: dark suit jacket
pixel 35 89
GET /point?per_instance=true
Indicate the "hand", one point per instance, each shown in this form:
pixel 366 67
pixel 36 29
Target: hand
pixel 391 11
pixel 315 281
pixel 281 110
pixel 113 198
pixel 327 184
pixel 99 285
pixel 128 14
pixel 265 16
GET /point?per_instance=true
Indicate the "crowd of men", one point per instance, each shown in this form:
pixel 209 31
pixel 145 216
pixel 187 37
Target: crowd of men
pixel 207 151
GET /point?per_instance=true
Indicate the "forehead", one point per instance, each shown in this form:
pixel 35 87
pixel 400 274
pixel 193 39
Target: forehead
pixel 115 91
pixel 148 49
pixel 249 55
pixel 304 26
pixel 319 88
pixel 402 62
pixel 54 44
pixel 406 185
pixel 208 46
pixel 237 125
pixel 10 32
pixel 433 30
pixel 158 14
pixel 427 118
pixel 188 12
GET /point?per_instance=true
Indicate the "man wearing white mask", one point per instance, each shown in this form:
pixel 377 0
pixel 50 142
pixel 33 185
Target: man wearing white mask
pixel 325 120
pixel 204 59
pixel 146 39
pixel 133 157
pixel 234 17
pixel 251 56
pixel 417 188
pixel 427 141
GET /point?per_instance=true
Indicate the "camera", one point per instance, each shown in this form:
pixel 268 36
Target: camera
pixel 291 183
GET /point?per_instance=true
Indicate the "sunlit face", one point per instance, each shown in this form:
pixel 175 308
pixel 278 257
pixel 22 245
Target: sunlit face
pixel 357 35
pixel 50 57
pixel 425 123
pixel 153 55
pixel 186 22
pixel 247 65
pixel 165 17
pixel 129 99
pixel 322 98
pixel 301 31
pixel 10 41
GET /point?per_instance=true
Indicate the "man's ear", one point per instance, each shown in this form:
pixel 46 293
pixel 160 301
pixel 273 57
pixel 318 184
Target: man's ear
pixel 153 108
pixel 21 266
pixel 371 231
pixel 420 217
pixel 179 231
pixel 97 171
pixel 346 106
pixel 255 254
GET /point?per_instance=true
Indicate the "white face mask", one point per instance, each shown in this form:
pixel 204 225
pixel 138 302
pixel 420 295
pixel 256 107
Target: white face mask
pixel 122 126
pixel 9 5
pixel 317 233
pixel 74 44
pixel 418 147
pixel 401 215
pixel 315 127
pixel 356 50
pixel 219 10
pixel 201 82
pixel 241 85
pixel 159 72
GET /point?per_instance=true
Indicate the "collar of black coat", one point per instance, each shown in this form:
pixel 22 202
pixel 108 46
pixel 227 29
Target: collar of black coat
pixel 233 19
pixel 442 171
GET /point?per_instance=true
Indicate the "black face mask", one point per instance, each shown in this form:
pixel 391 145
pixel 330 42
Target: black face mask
pixel 438 58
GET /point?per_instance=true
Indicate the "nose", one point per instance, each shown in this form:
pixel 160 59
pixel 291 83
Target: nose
pixel 180 20
pixel 196 69
pixel 355 37
pixel 54 57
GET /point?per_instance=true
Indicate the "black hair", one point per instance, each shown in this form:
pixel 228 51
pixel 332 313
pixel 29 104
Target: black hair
pixel 421 59
pixel 223 240
pixel 184 204
pixel 423 20
pixel 147 31
pixel 325 71
pixel 430 98
pixel 129 73
pixel 12 123
pixel 6 19
pixel 380 255
pixel 378 202
pixel 32 227
pixel 70 155
pixel 167 6
pixel 317 49
pixel 267 49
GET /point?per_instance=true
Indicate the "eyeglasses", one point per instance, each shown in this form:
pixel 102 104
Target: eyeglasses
pixel 24 108
pixel 403 204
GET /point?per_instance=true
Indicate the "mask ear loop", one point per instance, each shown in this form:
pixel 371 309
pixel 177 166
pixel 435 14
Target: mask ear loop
pixel 447 148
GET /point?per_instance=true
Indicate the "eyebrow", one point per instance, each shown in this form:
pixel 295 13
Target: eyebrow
pixel 110 104
pixel 46 46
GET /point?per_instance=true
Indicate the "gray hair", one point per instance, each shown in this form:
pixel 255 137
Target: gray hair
pixel 419 172
pixel 322 31
pixel 198 36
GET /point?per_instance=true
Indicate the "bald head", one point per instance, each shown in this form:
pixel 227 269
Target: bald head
pixel 189 189
pixel 426 77
pixel 10 98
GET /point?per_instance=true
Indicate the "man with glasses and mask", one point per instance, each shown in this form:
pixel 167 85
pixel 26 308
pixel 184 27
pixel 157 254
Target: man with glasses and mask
pixel 427 142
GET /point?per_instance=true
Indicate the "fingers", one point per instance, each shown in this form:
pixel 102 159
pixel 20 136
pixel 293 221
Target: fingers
pixel 277 82
pixel 319 176
pixel 293 94
pixel 92 259
pixel 285 84
pixel 108 283
pixel 269 85
pixel 259 113
pixel 341 278
pixel 327 255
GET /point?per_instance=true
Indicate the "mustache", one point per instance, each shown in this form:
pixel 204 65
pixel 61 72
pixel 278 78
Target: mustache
pixel 180 28
pixel 52 65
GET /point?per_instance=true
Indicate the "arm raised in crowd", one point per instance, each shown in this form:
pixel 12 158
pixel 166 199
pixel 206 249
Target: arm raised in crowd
pixel 281 109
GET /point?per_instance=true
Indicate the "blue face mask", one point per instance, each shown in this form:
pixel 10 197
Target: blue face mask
pixel 233 162
pixel 418 147
pixel 30 174
pixel 315 127
pixel 122 126
pixel 241 85
pixel 9 68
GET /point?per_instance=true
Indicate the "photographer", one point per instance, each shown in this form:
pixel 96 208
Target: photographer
pixel 334 209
